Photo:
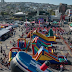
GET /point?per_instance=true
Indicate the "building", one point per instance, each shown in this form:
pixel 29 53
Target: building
pixel 57 13
pixel 38 15
pixel 41 18
pixel 69 12
pixel 19 15
pixel 2 1
pixel 57 16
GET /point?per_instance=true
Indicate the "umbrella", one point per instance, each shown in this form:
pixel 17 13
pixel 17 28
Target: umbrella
pixel 27 22
pixel 65 22
pixel 44 30
pixel 70 24
pixel 14 26
pixel 11 24
pixel 6 24
pixel 2 26
pixel 33 22
pixel 54 22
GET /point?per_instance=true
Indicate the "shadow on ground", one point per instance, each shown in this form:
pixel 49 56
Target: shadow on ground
pixel 29 50
pixel 60 43
pixel 69 62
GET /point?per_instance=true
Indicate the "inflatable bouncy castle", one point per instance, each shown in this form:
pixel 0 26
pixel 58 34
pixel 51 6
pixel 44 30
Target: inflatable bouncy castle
pixel 23 43
pixel 23 62
pixel 12 53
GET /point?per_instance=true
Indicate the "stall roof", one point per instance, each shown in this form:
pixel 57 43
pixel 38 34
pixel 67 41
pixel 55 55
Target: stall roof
pixel 15 25
pixel 9 27
pixel 27 22
pixel 70 24
pixel 3 31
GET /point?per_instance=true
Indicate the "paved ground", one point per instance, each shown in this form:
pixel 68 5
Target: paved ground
pixel 59 49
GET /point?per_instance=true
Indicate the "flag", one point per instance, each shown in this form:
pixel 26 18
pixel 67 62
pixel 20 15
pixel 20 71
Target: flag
pixel 39 23
pixel 33 22
pixel 26 22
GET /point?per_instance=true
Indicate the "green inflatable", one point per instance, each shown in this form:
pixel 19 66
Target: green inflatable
pixel 50 33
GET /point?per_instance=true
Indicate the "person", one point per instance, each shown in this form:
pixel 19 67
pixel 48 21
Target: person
pixel 6 46
pixel 1 49
pixel 6 64
pixel 13 41
pixel 19 29
pixel 0 62
pixel 49 24
pixel 22 35
pixel 10 42
pixel 14 33
pixel 55 49
pixel 61 68
pixel 9 67
pixel 5 55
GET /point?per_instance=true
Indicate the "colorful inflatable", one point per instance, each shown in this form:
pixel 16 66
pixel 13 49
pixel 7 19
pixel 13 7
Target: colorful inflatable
pixel 12 53
pixel 42 55
pixel 44 38
pixel 23 44
pixel 23 62
pixel 30 34
pixel 62 59
pixel 2 26
pixel 37 43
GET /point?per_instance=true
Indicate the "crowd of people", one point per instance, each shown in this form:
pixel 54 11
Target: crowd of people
pixel 3 59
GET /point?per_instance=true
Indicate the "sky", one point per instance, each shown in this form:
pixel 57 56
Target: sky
pixel 56 2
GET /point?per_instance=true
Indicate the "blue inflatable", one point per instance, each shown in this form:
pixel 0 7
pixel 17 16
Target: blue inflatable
pixel 23 62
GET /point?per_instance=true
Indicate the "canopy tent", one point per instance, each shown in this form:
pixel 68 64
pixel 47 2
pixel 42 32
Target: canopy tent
pixel 65 22
pixel 3 31
pixel 9 27
pixel 50 33
pixel 33 22
pixel 54 22
pixel 19 13
pixel 44 30
pixel 70 24
pixel 4 24
pixel 70 27
pixel 27 22
pixel 11 24
pixel 15 25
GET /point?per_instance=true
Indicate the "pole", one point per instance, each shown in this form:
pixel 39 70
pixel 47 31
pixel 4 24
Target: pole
pixel 26 22
pixel 39 25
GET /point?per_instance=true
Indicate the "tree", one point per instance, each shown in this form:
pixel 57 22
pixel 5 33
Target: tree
pixel 71 6
pixel 2 13
pixel 20 18
pixel 51 12
pixel 6 13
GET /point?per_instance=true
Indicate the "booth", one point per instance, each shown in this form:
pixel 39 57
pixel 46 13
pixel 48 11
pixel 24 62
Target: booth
pixel 4 34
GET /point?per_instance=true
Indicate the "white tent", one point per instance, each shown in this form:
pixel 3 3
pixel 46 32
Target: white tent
pixel 27 22
pixel 44 30
pixel 70 27
pixel 19 13
pixel 3 31
pixel 9 27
